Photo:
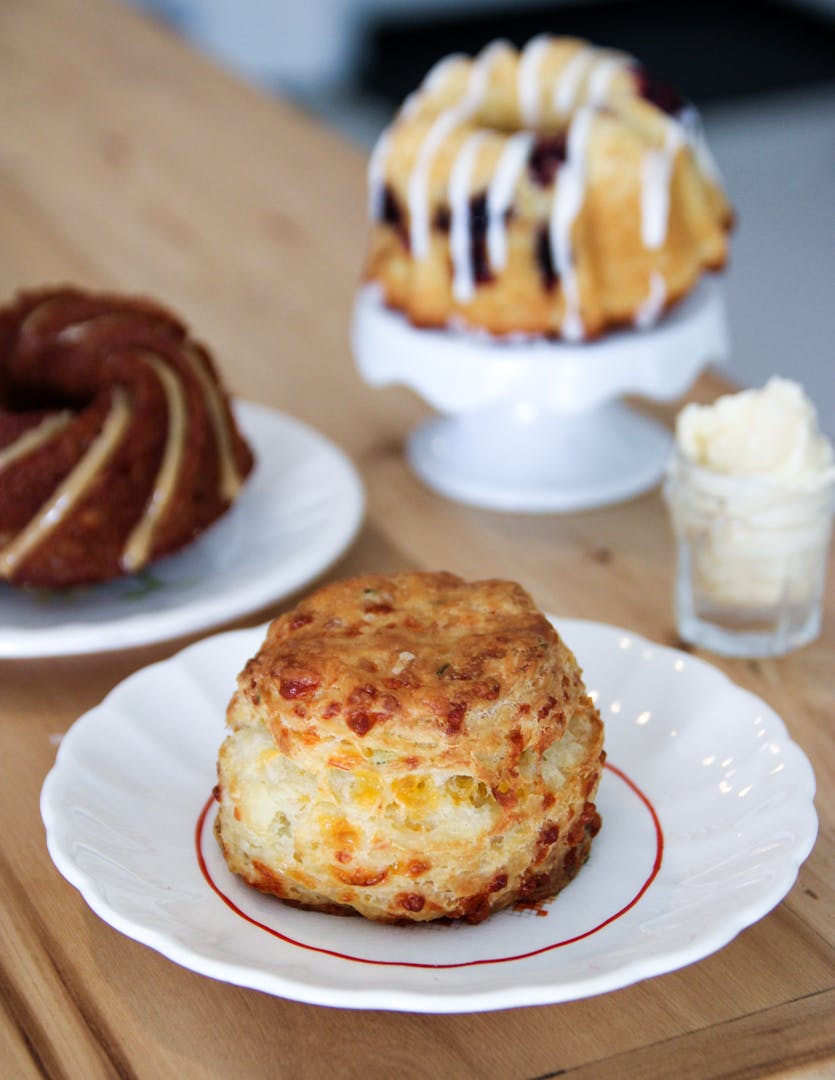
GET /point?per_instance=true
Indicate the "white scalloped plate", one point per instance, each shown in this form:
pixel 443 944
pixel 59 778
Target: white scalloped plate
pixel 707 815
pixel 298 512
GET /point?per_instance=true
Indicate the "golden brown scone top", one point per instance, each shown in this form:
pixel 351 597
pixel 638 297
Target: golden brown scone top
pixel 408 661
pixel 410 747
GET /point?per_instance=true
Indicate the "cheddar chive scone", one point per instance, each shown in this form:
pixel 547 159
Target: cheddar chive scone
pixel 410 747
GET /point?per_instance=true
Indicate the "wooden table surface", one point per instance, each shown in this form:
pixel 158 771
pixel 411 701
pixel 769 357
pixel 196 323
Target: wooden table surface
pixel 129 162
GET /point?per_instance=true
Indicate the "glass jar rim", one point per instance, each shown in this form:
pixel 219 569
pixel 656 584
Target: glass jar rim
pixel 818 484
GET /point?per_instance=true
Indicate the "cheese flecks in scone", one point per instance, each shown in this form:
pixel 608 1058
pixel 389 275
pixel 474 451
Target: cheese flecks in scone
pixel 410 747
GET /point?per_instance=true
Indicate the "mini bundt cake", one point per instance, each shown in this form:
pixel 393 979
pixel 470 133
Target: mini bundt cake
pixel 410 747
pixel 555 191
pixel 117 444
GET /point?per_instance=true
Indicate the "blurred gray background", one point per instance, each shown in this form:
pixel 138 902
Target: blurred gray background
pixel 763 74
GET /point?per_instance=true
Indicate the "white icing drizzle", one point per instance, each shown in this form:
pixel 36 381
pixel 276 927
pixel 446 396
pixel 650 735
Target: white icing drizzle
pixel 230 480
pixel 34 438
pixel 72 488
pixel 649 310
pixel 502 185
pixel 488 56
pixel 417 192
pixel 411 103
pixel 440 70
pixel 377 175
pixel 567 86
pixel 601 78
pixel 528 78
pixel 569 194
pixel 40 312
pixel 656 176
pixel 379 155
pixel 460 231
pixel 691 123
pixel 443 125
pixel 75 332
pixel 138 544
pixel 432 82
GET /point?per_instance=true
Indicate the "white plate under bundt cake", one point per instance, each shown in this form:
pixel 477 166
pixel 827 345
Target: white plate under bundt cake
pixel 557 190
pixel 117 443
pixel 410 747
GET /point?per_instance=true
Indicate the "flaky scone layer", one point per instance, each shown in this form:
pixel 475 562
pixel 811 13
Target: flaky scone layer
pixel 410 747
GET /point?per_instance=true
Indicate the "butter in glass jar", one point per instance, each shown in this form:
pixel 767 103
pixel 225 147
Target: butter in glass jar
pixel 750 485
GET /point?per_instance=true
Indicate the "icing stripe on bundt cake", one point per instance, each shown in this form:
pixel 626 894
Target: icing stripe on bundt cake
pixel 33 437
pixel 117 444
pixel 557 190
pixel 66 496
pixel 138 544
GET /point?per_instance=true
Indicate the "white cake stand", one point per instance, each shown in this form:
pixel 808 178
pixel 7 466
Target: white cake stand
pixel 535 425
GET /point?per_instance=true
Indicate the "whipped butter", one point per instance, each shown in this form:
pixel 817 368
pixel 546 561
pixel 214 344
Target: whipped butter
pixel 751 486
pixel 772 432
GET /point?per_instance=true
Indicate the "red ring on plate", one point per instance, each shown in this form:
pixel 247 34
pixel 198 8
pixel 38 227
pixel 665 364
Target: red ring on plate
pixel 656 866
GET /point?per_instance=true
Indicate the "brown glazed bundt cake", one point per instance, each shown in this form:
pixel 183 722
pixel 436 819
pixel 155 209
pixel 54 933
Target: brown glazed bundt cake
pixel 117 444
pixel 555 191
pixel 410 747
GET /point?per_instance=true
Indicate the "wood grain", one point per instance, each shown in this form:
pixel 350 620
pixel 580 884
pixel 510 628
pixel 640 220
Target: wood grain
pixel 129 162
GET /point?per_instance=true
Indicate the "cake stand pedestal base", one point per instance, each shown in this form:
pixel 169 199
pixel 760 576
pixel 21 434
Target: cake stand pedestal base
pixel 531 425
pixel 536 462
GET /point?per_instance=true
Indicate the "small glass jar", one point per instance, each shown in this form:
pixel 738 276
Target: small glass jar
pixel 751 558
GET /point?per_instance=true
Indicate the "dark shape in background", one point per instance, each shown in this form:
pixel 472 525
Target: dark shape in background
pixel 715 50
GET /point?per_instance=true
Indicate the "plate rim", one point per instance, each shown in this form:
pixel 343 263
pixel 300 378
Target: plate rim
pixel 137 628
pixel 396 998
